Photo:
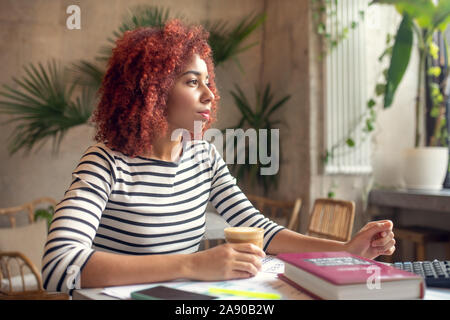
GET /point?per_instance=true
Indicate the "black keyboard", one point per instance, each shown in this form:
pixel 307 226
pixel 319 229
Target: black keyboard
pixel 436 273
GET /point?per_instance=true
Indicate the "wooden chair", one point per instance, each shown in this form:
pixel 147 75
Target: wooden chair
pixel 332 219
pixel 283 212
pixel 35 292
pixel 13 264
pixel 29 207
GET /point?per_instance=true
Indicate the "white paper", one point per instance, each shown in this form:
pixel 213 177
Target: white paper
pixel 272 265
pixel 432 293
pixel 265 281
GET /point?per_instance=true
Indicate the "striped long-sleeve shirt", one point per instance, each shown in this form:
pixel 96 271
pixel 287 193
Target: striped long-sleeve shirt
pixel 142 206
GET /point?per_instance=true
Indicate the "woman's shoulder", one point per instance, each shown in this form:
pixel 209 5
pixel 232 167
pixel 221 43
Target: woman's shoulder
pixel 201 145
pixel 102 151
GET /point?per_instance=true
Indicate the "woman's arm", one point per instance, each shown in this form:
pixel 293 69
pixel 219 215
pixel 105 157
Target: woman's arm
pixel 76 219
pixel 374 239
pixel 229 261
pixel 290 241
pixel 109 269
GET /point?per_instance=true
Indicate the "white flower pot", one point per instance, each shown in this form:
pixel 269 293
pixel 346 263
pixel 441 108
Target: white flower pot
pixel 425 168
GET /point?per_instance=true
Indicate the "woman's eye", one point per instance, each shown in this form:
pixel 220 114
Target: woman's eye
pixel 195 82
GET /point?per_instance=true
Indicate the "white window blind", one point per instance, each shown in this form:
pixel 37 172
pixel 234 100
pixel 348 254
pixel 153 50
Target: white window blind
pixel 346 92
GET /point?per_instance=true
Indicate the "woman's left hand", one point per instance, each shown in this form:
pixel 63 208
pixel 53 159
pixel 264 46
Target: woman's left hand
pixel 374 239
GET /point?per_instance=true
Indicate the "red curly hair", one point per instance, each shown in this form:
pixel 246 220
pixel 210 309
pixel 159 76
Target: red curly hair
pixel 143 68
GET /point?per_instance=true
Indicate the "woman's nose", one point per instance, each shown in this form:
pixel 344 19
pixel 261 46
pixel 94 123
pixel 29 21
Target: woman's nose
pixel 208 96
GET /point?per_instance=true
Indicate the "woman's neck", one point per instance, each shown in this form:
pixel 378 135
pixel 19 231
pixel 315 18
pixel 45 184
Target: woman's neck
pixel 165 148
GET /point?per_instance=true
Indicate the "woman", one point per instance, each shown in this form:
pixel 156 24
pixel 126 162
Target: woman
pixel 134 212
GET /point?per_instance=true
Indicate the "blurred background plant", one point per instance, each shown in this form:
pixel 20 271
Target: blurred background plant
pixel 437 95
pixel 45 214
pixel 259 116
pixel 427 21
pixel 44 106
pixel 319 9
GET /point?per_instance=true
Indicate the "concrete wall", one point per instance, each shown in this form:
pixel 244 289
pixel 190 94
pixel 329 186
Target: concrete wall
pixel 287 68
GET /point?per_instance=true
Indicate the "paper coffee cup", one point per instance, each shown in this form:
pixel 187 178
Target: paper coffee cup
pixel 245 235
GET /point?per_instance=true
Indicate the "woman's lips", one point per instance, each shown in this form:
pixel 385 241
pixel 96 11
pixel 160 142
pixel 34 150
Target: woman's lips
pixel 204 114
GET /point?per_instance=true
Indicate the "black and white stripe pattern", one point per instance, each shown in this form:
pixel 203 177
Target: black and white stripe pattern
pixel 142 206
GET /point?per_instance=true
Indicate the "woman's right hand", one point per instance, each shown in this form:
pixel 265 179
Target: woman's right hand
pixel 226 261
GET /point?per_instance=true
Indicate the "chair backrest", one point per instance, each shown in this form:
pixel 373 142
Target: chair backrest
pixel 29 289
pixel 332 219
pixel 285 213
pixel 9 283
pixel 29 207
pixel 15 283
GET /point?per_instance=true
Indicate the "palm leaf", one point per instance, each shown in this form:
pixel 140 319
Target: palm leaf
pixel 242 103
pixel 260 119
pixel 145 16
pixel 42 107
pixel 86 73
pixel 226 42
pixel 267 98
pixel 277 105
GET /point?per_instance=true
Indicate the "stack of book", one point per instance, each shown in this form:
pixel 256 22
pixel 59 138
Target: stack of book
pixel 342 275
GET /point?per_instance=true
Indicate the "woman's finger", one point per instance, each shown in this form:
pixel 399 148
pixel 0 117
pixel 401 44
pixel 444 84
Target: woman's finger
pixel 250 258
pixel 369 225
pixel 382 241
pixel 248 248
pixel 387 247
pixel 245 266
pixel 389 252
pixel 235 274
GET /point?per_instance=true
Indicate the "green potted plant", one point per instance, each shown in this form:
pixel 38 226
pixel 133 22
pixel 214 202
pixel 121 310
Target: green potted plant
pixel 258 117
pixel 426 164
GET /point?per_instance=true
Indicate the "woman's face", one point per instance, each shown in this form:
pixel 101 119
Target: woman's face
pixel 190 99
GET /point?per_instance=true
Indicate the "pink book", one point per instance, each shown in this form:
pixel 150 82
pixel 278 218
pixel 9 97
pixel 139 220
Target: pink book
pixel 342 275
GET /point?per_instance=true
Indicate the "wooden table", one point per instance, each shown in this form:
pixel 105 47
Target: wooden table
pixel 438 201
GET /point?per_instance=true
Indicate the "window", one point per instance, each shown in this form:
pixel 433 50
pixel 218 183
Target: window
pixel 346 93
